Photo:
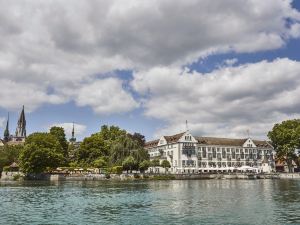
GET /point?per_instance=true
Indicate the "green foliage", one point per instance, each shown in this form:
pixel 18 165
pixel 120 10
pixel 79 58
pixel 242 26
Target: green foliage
pixel 9 154
pixel 91 148
pixel 36 159
pixel 59 133
pixel 144 165
pixel 155 162
pixel 41 150
pixel 285 138
pixel 116 170
pixel 16 177
pixel 139 138
pixel 6 168
pixel 100 163
pixel 129 163
pixel 114 143
pixel 165 164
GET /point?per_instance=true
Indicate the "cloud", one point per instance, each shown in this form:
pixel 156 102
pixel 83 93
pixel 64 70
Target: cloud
pixel 227 101
pixel 49 50
pixel 78 128
pixel 230 62
pixel 106 96
pixel 2 122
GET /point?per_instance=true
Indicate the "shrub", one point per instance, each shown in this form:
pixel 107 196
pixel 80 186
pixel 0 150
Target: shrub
pixel 6 168
pixel 117 169
pixel 16 177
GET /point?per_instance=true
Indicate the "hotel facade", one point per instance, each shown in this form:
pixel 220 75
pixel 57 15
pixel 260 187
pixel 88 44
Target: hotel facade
pixel 189 154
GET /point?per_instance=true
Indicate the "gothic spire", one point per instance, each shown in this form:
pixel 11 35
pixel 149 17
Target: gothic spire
pixel 6 131
pixel 73 139
pixel 21 129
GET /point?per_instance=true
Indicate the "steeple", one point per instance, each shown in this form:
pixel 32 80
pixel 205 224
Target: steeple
pixel 21 129
pixel 186 126
pixel 6 131
pixel 73 139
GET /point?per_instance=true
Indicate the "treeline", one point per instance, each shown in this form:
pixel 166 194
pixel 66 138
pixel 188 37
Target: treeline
pixel 111 148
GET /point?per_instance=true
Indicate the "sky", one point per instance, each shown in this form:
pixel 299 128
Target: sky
pixel 227 67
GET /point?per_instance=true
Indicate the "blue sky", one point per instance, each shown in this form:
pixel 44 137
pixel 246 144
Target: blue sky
pixel 148 67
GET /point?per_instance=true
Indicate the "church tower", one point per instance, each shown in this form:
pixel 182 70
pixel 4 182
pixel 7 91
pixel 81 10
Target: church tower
pixel 21 128
pixel 73 139
pixel 6 131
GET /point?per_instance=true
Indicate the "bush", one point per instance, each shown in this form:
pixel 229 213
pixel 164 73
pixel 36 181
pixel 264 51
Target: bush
pixel 16 177
pixel 6 168
pixel 117 169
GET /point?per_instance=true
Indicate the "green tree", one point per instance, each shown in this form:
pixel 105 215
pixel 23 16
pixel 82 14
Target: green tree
pixel 144 165
pixel 285 138
pixel 100 163
pixel 59 133
pixel 91 148
pixel 35 159
pixel 165 164
pixel 9 154
pixel 129 163
pixel 155 162
pixel 41 150
pixel 139 138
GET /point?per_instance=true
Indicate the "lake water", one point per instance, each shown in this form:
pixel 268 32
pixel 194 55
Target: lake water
pixel 151 202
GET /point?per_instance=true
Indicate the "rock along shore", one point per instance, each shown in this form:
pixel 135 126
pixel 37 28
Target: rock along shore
pixel 125 177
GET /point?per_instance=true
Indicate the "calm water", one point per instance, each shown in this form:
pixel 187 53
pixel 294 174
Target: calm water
pixel 152 202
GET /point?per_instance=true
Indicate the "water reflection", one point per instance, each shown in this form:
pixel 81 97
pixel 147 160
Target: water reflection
pixel 152 202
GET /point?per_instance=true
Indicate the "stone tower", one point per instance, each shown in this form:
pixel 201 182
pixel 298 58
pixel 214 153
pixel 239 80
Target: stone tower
pixel 6 131
pixel 73 139
pixel 21 128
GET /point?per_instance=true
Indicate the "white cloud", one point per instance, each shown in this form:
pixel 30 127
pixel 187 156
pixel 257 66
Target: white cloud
pixel 50 49
pixel 2 122
pixel 79 129
pixel 227 101
pixel 230 62
pixel 106 96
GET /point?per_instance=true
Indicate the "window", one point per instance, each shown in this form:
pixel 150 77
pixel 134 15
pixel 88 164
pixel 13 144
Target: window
pixel 204 152
pixel 214 152
pixel 223 153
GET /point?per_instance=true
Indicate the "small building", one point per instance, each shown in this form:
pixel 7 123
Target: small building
pixel 282 166
pixel 14 167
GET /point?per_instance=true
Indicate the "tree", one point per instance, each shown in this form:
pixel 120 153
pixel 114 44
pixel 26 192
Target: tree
pixel 35 159
pixel 91 148
pixel 139 138
pixel 100 163
pixel 285 138
pixel 155 162
pixel 165 164
pixel 41 150
pixel 129 163
pixel 59 133
pixel 144 165
pixel 9 154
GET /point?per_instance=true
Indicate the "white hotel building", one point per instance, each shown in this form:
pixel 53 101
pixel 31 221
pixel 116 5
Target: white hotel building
pixel 189 154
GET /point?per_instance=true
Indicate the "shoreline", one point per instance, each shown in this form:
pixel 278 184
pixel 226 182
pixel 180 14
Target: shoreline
pixel 16 176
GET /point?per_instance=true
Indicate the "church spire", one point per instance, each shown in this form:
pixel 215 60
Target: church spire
pixel 21 129
pixel 6 131
pixel 73 139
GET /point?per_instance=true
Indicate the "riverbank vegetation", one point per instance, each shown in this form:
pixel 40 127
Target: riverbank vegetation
pixel 285 138
pixel 111 149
